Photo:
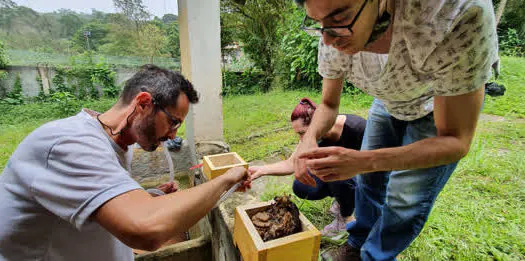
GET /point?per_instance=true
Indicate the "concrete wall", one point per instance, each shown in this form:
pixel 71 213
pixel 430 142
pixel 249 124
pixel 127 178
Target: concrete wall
pixel 29 74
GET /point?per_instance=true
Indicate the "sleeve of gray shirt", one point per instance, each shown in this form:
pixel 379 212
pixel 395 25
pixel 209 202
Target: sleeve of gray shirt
pixel 82 173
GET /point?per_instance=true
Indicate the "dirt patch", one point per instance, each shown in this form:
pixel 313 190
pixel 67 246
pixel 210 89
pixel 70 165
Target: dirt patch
pixel 491 118
pixel 279 220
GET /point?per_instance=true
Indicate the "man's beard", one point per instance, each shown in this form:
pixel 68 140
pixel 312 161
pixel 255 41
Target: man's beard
pixel 146 131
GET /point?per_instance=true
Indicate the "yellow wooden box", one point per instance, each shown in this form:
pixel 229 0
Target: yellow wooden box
pixel 299 246
pixel 216 165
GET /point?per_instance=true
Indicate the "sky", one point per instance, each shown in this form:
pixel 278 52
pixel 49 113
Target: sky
pixel 156 7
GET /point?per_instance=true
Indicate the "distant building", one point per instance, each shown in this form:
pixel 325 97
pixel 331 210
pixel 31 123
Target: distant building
pixel 231 53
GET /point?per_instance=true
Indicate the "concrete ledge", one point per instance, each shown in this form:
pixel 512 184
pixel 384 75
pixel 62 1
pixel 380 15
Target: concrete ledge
pixel 198 249
pixel 205 148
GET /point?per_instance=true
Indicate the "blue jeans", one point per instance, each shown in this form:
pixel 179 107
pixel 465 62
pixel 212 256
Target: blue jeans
pixel 393 206
pixel 343 191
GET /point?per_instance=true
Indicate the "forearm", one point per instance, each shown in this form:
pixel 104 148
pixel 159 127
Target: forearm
pixel 455 120
pixel 322 122
pixel 326 112
pixel 177 212
pixel 425 153
pixel 281 168
pixel 143 222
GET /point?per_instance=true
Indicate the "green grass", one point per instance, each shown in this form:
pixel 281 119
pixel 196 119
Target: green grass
pixel 12 135
pixel 513 78
pixel 16 122
pixel 480 214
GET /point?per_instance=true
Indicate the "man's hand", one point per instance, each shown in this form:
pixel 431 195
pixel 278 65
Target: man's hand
pixel 169 187
pixel 237 174
pixel 336 163
pixel 256 172
pixel 299 163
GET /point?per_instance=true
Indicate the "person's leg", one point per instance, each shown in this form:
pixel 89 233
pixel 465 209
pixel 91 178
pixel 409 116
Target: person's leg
pixel 409 198
pixel 344 193
pixel 381 132
pixel 303 191
pixel 343 206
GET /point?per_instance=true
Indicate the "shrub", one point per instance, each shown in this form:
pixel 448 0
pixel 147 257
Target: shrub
pixel 16 95
pixel 511 44
pixel 241 83
pixel 83 78
pixel 4 61
pixel 64 104
pixel 298 55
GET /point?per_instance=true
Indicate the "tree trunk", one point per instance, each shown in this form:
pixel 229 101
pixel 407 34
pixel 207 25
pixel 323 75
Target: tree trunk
pixel 499 12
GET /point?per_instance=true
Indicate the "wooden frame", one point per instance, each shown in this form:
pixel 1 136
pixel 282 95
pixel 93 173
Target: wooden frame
pixel 218 164
pixel 299 246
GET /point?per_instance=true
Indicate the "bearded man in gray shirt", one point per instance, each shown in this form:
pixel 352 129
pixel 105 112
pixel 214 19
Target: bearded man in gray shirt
pixel 66 193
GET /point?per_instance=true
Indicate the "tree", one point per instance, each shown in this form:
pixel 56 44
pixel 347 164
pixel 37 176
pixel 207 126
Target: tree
pixel 46 23
pixel 11 15
pixel 228 31
pixel 258 22
pixel 90 37
pixel 70 22
pixel 172 43
pixel 511 27
pixel 118 19
pixel 121 40
pixel 134 10
pixel 7 16
pixel 98 15
pixel 298 54
pixel 7 4
pixel 152 41
pixel 514 16
pixel 501 9
pixel 169 18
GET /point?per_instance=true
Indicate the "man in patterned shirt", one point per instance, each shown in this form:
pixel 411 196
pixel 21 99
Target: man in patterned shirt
pixel 426 63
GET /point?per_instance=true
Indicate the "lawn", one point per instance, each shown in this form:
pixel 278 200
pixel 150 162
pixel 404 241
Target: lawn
pixel 480 215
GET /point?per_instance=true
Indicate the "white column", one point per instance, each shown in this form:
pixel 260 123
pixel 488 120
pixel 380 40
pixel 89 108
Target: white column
pixel 199 26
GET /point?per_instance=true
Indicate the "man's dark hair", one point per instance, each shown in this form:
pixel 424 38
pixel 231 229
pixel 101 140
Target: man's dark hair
pixel 300 2
pixel 164 85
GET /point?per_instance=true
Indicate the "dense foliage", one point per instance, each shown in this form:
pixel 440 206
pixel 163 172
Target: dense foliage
pixel 265 32
pixel 86 79
pixel 4 61
pixel 130 32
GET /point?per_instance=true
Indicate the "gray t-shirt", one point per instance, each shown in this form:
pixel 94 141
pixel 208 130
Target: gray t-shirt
pixel 57 177
pixel 438 48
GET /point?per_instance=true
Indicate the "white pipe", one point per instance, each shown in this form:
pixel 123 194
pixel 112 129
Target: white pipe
pixel 169 160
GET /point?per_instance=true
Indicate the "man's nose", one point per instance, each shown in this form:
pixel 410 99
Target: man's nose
pixel 173 134
pixel 328 39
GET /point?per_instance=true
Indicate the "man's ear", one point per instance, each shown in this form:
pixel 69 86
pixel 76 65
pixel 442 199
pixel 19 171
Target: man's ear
pixel 143 100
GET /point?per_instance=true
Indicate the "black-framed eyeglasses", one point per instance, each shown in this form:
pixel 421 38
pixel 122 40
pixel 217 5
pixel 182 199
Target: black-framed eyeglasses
pixel 334 31
pixel 175 123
